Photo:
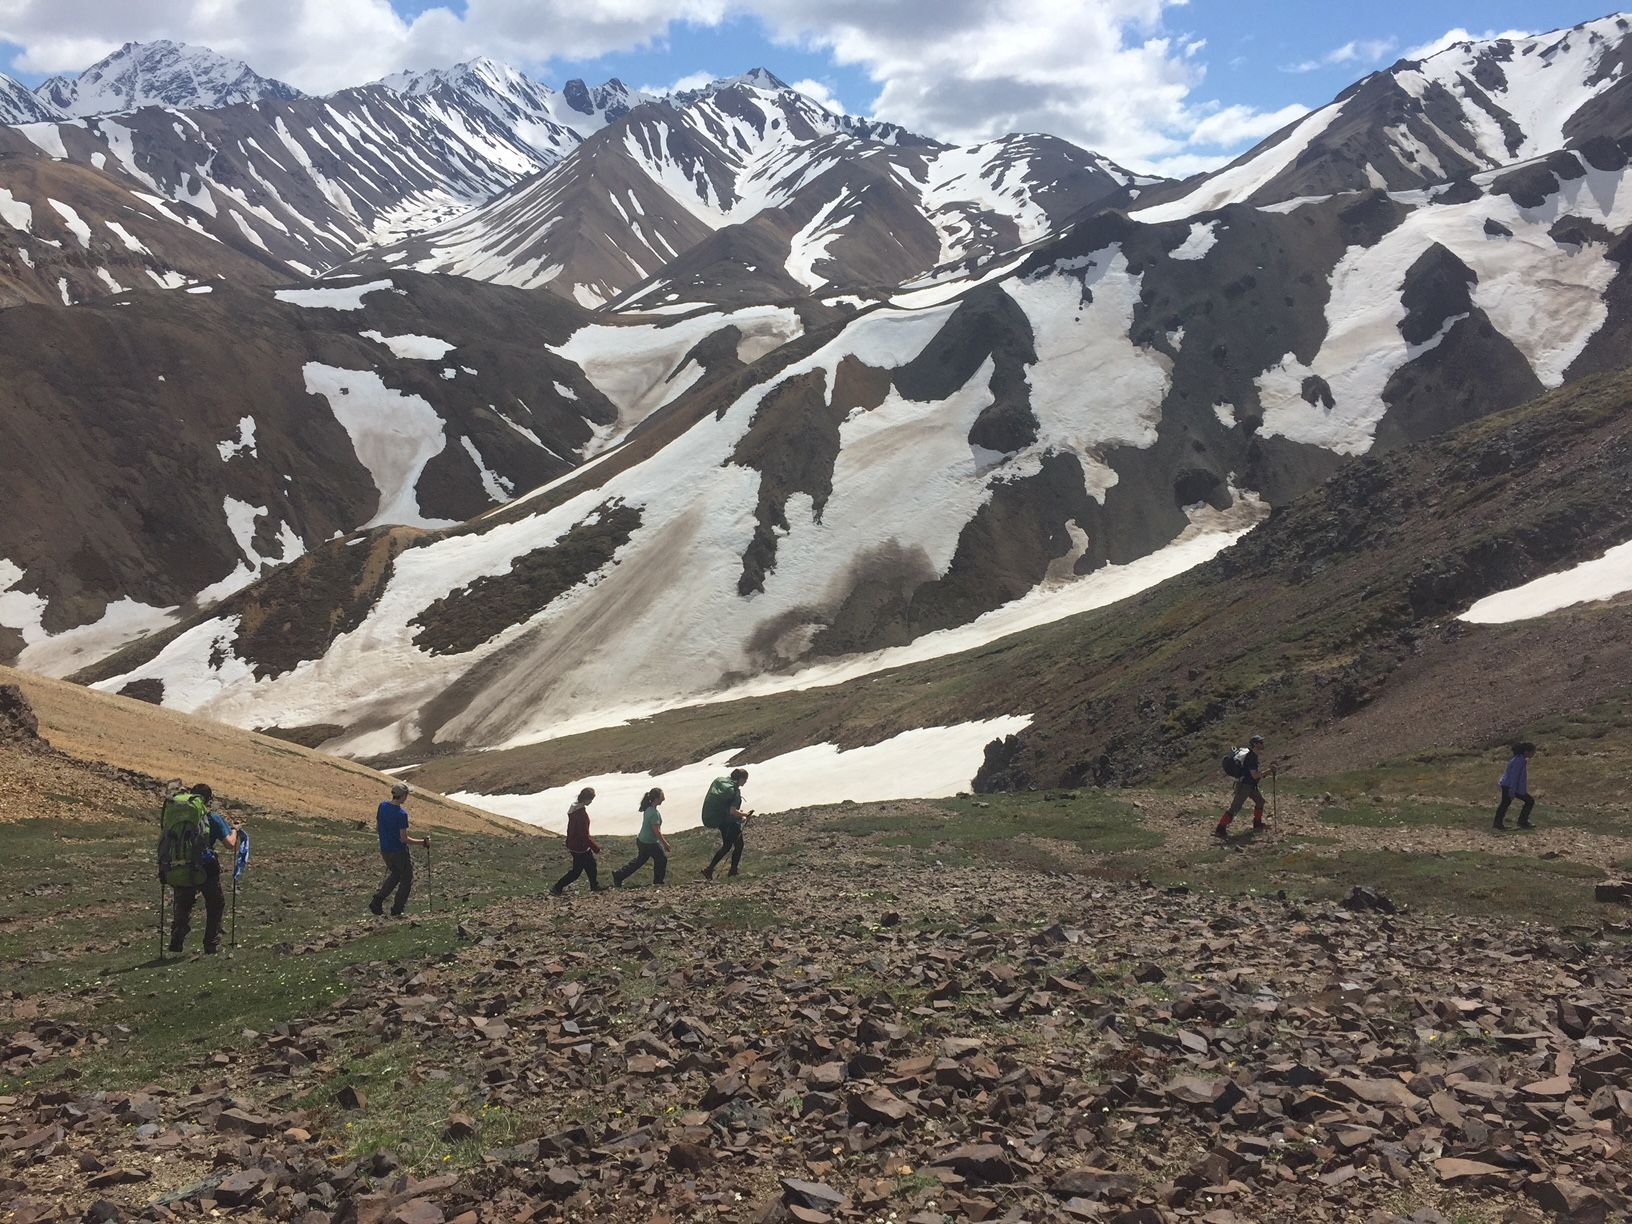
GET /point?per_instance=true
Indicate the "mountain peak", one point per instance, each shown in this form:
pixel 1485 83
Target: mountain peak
pixel 161 73
pixel 18 104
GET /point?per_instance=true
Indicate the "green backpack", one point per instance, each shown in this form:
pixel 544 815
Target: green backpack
pixel 184 841
pixel 718 802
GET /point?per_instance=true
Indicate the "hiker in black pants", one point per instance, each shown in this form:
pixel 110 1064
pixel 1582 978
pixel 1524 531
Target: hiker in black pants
pixel 188 863
pixel 1515 784
pixel 391 819
pixel 582 846
pixel 1248 771
pixel 649 842
pixel 722 810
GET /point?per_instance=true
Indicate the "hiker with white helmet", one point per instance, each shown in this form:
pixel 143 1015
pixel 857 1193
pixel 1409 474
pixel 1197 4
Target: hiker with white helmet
pixel 1245 767
pixel 392 821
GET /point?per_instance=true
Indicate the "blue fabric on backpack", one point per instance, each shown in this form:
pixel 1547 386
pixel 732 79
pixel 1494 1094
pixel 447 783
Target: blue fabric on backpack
pixel 243 854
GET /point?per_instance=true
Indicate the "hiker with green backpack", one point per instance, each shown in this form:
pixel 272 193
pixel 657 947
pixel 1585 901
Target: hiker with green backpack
pixel 1245 767
pixel 188 865
pixel 722 810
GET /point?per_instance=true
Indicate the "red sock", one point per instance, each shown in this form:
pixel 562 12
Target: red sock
pixel 1226 820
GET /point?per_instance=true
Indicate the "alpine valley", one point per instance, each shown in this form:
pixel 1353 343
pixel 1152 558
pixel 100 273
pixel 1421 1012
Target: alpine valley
pixel 453 413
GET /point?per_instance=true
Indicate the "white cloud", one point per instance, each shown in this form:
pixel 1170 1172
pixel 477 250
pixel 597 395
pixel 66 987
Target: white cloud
pixel 818 92
pixel 1359 51
pixel 1450 38
pixel 1234 126
pixel 1103 73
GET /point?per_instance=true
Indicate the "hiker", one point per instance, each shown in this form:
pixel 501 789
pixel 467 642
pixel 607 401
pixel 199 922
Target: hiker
pixel 583 847
pixel 187 862
pixel 649 842
pixel 1245 767
pixel 392 821
pixel 722 810
pixel 1515 784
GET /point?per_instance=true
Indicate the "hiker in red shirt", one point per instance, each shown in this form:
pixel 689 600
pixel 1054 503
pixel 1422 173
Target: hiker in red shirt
pixel 582 846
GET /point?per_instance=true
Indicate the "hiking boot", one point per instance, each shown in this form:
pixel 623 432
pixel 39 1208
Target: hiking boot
pixel 209 951
pixel 1498 826
pixel 732 873
pixel 1222 832
pixel 1258 826
pixel 175 949
pixel 396 913
pixel 708 873
pixel 375 908
pixel 1525 824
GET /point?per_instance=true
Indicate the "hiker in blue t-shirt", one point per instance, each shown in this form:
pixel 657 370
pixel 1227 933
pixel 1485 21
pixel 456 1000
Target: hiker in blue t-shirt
pixel 205 870
pixel 1515 784
pixel 392 820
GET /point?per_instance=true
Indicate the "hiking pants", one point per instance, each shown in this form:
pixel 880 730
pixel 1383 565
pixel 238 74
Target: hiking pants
pixel 583 863
pixel 215 905
pixel 654 852
pixel 1507 800
pixel 1246 788
pixel 401 867
pixel 730 843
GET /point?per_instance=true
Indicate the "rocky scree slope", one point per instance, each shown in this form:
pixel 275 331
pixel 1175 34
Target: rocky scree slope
pixel 845 1039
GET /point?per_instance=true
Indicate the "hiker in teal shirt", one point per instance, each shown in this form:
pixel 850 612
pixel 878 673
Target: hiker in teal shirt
pixel 722 810
pixel 649 842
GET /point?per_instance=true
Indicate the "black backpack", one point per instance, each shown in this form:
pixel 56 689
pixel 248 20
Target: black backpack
pixel 1234 763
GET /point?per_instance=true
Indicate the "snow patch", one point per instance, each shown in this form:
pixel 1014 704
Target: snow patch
pixel 1590 582
pixel 926 763
pixel 124 621
pixel 244 444
pixel 75 223
pixel 415 348
pixel 1203 238
pixel 394 435
pixel 348 297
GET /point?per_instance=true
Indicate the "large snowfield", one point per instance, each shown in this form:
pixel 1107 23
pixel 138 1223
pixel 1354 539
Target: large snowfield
pixel 927 763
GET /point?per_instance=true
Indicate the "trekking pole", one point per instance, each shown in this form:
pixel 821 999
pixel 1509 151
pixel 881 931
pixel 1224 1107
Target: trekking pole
pixel 232 939
pixel 161 917
pixel 430 877
pixel 1275 795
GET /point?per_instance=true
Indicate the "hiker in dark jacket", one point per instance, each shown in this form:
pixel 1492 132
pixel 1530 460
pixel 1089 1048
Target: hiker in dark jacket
pixel 582 846
pixel 391 819
pixel 722 810
pixel 1251 771
pixel 186 895
pixel 1515 784
pixel 649 842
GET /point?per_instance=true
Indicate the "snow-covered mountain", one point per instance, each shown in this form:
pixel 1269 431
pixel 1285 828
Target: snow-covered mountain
pixel 648 190
pixel 19 104
pixel 994 381
pixel 161 73
pixel 1474 106
pixel 932 472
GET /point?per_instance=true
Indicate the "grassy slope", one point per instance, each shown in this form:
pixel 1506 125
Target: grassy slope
pixel 1328 627
pixel 82 937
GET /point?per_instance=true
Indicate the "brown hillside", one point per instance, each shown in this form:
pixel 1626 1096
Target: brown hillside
pixel 102 755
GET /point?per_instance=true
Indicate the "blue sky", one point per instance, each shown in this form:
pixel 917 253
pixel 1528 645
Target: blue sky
pixel 1169 85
